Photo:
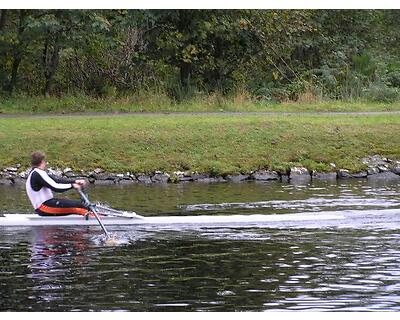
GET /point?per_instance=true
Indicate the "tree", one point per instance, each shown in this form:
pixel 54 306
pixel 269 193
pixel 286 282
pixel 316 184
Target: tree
pixel 15 42
pixel 181 51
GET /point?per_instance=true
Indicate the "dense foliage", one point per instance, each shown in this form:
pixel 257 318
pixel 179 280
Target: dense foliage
pixel 264 55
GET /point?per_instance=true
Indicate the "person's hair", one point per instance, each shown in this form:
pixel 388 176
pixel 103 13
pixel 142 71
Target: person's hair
pixel 36 158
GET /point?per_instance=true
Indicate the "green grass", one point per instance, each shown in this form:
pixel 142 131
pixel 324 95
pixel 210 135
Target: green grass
pixel 218 144
pixel 161 103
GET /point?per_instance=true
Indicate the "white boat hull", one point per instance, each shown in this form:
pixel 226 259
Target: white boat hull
pixel 72 220
pixel 35 220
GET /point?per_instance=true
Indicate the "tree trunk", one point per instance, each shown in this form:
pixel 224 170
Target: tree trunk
pixel 17 53
pixel 51 63
pixel 3 18
pixel 183 25
pixel 14 73
pixel 51 67
pixel 3 53
pixel 185 69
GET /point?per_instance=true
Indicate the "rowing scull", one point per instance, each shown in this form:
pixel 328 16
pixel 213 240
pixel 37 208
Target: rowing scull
pixel 74 220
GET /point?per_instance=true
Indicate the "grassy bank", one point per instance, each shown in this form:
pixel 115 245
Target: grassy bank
pixel 215 144
pixel 160 103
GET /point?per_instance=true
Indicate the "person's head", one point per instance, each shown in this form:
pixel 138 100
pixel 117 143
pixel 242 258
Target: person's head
pixel 38 159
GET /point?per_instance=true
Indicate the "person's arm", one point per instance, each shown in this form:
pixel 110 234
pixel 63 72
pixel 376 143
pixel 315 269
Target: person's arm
pixel 77 184
pixel 40 179
pixel 61 180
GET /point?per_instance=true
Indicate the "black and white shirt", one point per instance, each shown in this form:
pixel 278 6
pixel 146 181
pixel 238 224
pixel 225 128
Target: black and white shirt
pixel 39 186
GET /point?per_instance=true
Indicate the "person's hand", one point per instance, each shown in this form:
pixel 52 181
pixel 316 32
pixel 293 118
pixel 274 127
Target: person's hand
pixel 77 186
pixel 81 182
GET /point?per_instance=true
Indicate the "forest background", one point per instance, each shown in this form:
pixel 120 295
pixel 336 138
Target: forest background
pixel 190 60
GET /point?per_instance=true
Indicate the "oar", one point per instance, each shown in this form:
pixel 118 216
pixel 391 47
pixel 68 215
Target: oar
pixel 93 209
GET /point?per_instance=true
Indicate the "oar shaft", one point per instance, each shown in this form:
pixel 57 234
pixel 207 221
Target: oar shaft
pixel 84 197
pixel 94 211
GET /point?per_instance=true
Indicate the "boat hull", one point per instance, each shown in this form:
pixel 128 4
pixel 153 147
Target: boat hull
pixel 72 220
pixel 35 220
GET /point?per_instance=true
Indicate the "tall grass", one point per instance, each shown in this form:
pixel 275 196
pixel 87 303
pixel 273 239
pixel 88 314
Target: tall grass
pixel 377 98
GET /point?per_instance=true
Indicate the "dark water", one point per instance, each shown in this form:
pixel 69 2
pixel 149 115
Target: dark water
pixel 348 264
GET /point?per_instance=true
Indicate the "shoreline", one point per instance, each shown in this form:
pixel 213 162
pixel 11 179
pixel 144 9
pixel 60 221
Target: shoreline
pixel 378 168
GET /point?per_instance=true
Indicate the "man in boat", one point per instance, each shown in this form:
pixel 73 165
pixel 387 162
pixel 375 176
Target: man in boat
pixel 39 187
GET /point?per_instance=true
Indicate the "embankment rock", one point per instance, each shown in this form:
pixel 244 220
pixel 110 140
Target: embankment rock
pixel 180 176
pixel 197 176
pixel 345 174
pixel 211 180
pixel 55 172
pixel 126 181
pixel 299 175
pixel 18 181
pixel 324 176
pixel 67 170
pixel 4 181
pixel 378 169
pixel 143 178
pixel 360 175
pixel 284 177
pixel 264 175
pixel 384 176
pixel 160 177
pixel 376 161
pixel 396 170
pixel 104 182
pixel 372 170
pixel 237 178
pixel 105 177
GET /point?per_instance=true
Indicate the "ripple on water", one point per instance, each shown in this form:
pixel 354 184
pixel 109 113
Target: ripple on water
pixel 344 265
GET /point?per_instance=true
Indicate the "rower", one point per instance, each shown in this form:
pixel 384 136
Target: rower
pixel 39 187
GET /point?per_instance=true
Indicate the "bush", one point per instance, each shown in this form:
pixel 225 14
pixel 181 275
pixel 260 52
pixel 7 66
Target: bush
pixel 271 94
pixel 393 78
pixel 365 65
pixel 380 92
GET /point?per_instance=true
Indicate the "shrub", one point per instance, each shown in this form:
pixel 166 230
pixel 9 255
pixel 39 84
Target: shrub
pixel 393 78
pixel 380 92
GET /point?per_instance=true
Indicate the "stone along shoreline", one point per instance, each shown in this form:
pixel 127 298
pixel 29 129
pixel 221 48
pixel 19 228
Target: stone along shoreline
pixel 377 168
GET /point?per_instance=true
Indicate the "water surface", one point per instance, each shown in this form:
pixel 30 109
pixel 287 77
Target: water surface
pixel 347 264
